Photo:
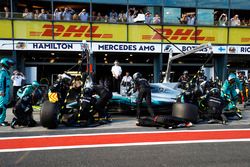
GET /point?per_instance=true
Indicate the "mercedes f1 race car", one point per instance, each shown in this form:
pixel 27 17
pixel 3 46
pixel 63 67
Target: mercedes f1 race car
pixel 163 96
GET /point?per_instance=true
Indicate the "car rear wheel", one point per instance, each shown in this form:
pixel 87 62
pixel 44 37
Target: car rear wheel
pixel 48 115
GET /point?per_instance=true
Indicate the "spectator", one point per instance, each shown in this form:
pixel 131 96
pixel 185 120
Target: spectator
pixel 140 18
pixel 58 14
pixel 93 15
pixel 6 12
pixel 191 18
pixel 112 19
pixel 83 15
pixel 27 14
pixel 156 19
pixel 183 19
pixel 43 15
pixel 129 14
pixel 113 14
pixel 148 17
pixel 17 79
pixel 244 22
pixel 106 19
pixel 223 19
pixel 130 18
pixel 99 17
pixel 36 14
pixel 116 73
pixel 122 17
pixel 68 14
pixel 235 21
pixel 75 17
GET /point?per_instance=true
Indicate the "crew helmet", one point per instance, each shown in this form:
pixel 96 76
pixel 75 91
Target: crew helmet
pixel 87 92
pixel 7 62
pixel 66 78
pixel 231 77
pixel 35 84
pixel 215 92
pixel 201 72
pixel 137 75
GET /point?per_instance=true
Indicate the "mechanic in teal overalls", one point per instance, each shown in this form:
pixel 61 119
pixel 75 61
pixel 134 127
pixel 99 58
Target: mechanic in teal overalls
pixel 5 83
pixel 29 89
pixel 23 111
pixel 228 92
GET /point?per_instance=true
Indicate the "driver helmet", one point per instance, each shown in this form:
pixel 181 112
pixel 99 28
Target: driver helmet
pixel 7 62
pixel 231 78
pixel 137 75
pixel 185 72
pixel 35 84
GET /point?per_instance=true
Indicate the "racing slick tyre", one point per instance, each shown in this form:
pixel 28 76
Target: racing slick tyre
pixel 186 111
pixel 48 115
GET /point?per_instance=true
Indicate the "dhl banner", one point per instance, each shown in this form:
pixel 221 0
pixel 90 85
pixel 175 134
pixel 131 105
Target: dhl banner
pixel 239 36
pixel 143 33
pixel 5 29
pixel 177 34
pixel 69 31
pixel 77 31
pixel 31 30
pixel 216 35
pixel 80 31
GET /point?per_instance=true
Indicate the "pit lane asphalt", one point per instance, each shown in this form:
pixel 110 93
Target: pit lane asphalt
pixel 177 155
pixel 228 154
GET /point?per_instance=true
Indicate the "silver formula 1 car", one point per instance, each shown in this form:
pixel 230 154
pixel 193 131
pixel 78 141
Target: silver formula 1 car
pixel 163 96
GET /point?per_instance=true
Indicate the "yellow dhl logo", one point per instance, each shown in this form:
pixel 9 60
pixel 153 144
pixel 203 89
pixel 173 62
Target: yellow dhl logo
pixel 69 31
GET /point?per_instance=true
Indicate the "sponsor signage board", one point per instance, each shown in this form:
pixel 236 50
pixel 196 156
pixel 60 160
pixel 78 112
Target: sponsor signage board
pixel 238 49
pixel 126 47
pixel 6 45
pixel 239 36
pixel 47 45
pixel 77 31
pixel 5 29
pixel 216 49
pixel 117 47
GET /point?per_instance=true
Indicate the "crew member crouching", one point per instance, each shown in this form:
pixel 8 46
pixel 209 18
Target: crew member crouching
pixel 101 105
pixel 87 102
pixel 23 111
pixel 215 107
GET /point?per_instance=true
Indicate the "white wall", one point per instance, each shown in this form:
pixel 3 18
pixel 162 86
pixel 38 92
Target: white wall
pixel 30 74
